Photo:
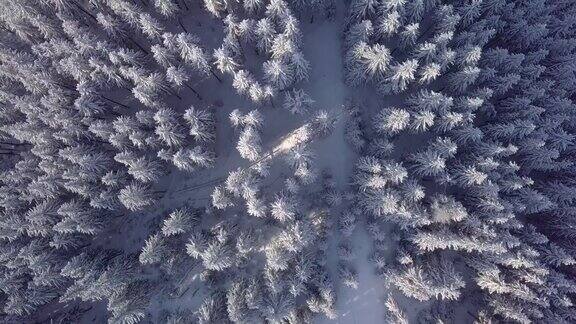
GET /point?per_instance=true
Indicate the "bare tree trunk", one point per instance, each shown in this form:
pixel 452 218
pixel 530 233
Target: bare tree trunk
pixel 182 25
pixel 116 102
pixel 196 92
pixel 174 94
pixel 137 45
pixel 214 74
pixel 84 10
pixel 185 5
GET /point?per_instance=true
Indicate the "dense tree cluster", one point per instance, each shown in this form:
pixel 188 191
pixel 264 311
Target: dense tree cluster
pixel 88 130
pixel 488 86
pixel 464 178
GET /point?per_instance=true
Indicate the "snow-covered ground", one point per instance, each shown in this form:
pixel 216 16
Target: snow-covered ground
pixel 326 87
pixel 322 47
pixel 363 305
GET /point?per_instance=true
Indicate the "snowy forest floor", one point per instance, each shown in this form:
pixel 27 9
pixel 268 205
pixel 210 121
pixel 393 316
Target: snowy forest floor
pixel 326 86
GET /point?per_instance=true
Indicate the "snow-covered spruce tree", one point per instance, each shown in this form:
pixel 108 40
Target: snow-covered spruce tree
pixel 394 313
pixel 179 221
pixel 249 143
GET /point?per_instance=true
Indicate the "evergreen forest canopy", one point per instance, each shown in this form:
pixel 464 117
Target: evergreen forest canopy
pixel 171 161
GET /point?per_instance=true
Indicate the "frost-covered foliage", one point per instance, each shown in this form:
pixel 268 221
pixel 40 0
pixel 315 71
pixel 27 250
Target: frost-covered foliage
pixel 162 158
pixel 271 31
pixel 480 199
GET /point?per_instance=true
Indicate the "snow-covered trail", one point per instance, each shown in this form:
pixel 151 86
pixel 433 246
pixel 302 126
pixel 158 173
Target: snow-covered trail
pixel 326 87
pixel 364 305
pixel 322 47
